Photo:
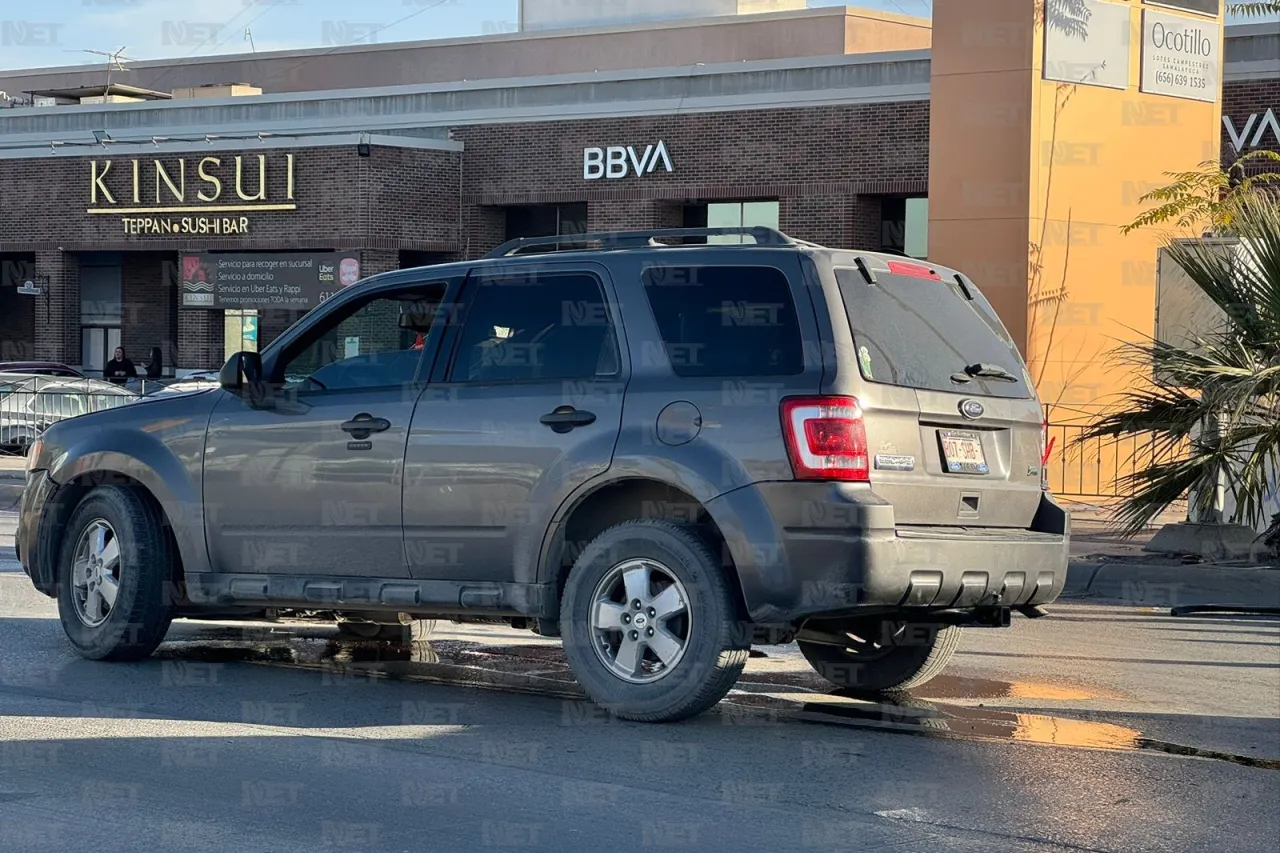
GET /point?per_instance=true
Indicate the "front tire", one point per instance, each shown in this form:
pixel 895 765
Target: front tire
pixel 650 623
pixel 113 576
pixel 878 655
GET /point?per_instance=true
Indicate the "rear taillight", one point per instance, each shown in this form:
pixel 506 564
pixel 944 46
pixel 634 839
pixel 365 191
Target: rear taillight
pixel 826 438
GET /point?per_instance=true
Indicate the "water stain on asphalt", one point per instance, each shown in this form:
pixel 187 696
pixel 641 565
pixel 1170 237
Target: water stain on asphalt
pixel 780 695
pixel 957 687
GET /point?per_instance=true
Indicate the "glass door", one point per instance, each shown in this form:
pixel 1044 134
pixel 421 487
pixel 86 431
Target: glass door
pixel 97 345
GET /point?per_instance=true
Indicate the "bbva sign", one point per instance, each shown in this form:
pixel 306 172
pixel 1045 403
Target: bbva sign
pixel 616 161
pixel 1242 140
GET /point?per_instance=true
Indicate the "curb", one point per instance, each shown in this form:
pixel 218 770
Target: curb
pixel 7 476
pixel 1138 585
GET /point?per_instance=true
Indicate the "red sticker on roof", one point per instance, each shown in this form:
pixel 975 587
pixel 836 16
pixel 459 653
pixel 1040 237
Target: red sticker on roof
pixel 914 270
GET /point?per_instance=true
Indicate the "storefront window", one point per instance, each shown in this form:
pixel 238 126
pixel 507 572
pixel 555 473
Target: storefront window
pixel 740 214
pixel 240 330
pixel 904 226
pixel 546 220
pixel 916 235
pixel 101 309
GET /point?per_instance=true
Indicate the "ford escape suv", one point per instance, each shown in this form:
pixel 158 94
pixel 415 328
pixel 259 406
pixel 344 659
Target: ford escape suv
pixel 657 446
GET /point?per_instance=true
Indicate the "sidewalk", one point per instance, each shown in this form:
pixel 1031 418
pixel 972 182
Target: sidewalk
pixel 1169 585
pixel 13 469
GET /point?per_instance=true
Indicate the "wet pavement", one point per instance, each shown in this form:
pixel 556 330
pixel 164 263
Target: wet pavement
pixel 777 685
pixel 1095 729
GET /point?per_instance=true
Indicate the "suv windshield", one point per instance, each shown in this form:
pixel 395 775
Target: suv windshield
pixel 926 333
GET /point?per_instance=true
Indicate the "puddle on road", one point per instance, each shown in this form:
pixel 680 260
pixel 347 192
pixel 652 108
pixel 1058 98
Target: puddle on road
pixel 773 692
pixel 978 724
pixel 957 687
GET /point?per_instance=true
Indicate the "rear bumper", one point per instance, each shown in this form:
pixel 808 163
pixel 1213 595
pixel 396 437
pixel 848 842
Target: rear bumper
pixel 809 549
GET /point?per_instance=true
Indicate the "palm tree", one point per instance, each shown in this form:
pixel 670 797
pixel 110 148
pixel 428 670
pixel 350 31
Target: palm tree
pixel 1228 379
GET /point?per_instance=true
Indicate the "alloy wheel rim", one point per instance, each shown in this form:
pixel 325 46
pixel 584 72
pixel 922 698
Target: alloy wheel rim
pixel 641 621
pixel 96 573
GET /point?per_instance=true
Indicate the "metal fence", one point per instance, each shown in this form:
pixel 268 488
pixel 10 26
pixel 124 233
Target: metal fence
pixel 1093 467
pixel 27 411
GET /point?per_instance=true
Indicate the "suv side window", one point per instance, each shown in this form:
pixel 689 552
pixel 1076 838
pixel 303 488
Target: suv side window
pixel 375 343
pixel 726 320
pixel 530 328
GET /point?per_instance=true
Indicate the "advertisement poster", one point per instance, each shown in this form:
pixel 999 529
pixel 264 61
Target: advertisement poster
pixel 294 282
pixel 1204 7
pixel 1181 56
pixel 1088 44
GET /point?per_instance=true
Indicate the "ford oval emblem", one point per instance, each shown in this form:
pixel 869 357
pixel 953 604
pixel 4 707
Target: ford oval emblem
pixel 971 409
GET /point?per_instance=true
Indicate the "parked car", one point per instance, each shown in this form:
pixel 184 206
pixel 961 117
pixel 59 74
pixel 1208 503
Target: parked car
pixel 31 404
pixel 660 453
pixel 40 368
pixel 194 382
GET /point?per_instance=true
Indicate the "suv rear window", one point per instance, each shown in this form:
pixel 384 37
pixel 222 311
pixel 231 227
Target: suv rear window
pixel 919 332
pixel 726 321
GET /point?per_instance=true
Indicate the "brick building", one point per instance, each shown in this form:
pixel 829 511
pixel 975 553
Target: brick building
pixel 831 148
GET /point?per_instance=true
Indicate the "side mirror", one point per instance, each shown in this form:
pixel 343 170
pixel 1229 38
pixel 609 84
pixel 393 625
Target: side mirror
pixel 241 370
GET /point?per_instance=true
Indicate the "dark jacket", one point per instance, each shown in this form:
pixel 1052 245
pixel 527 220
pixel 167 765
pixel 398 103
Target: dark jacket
pixel 119 372
pixel 155 368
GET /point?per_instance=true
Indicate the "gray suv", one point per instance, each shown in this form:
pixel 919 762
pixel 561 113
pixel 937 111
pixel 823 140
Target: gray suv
pixel 658 446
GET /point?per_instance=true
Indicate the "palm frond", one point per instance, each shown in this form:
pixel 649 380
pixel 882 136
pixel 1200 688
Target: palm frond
pixel 1209 411
pixel 1255 9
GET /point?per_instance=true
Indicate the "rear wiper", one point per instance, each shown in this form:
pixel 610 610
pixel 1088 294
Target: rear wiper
pixel 989 371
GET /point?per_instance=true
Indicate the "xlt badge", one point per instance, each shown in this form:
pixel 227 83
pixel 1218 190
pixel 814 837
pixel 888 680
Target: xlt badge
pixel 893 462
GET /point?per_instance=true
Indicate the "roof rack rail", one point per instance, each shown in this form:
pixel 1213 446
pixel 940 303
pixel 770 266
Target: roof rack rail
pixel 640 239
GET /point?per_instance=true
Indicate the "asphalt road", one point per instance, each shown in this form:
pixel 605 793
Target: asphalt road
pixel 1054 735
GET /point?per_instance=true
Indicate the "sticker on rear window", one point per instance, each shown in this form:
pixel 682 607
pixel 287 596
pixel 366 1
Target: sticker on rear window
pixel 864 359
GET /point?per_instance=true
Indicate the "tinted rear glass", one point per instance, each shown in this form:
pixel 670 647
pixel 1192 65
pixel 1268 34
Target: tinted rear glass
pixel 917 332
pixel 726 321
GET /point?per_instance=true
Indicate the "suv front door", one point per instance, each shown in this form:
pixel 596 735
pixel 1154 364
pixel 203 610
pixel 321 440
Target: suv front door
pixel 524 406
pixel 309 480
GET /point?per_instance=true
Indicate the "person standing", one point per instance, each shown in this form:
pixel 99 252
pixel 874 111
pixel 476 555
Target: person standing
pixel 155 366
pixel 119 369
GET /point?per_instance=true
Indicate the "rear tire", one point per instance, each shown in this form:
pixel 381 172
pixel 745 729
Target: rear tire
pixel 418 631
pixel 114 575
pixel 883 656
pixel 675 655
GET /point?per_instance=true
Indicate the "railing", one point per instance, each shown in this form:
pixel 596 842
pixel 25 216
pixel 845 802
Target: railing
pixel 26 413
pixel 1094 467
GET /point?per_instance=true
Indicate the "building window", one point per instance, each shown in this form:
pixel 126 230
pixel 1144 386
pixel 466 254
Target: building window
pixel 101 309
pixel 731 214
pixel 546 220
pixel 904 226
pixel 240 330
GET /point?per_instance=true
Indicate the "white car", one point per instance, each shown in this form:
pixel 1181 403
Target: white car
pixel 29 404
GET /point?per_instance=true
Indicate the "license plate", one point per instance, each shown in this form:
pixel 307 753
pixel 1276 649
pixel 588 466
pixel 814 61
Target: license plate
pixel 962 452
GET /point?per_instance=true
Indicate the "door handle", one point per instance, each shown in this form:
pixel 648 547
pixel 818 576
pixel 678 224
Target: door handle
pixel 364 425
pixel 566 418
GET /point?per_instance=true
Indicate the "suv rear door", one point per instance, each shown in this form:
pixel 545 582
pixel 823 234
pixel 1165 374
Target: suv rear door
pixel 524 406
pixel 953 424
